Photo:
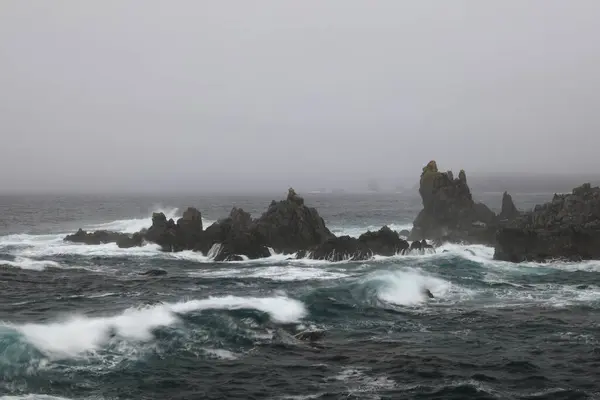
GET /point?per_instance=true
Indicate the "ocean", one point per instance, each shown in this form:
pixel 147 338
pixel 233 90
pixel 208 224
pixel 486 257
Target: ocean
pixel 83 322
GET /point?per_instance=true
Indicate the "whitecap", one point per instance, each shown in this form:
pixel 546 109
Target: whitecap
pixel 79 335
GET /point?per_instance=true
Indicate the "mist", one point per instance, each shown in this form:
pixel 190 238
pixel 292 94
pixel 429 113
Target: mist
pixel 194 96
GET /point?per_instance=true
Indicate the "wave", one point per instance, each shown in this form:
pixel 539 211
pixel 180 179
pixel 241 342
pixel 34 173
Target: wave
pixel 80 335
pixel 33 396
pixel 27 263
pixel 135 224
pixel 405 287
pixel 286 273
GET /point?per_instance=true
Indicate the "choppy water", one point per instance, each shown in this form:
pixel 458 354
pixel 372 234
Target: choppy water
pixel 80 322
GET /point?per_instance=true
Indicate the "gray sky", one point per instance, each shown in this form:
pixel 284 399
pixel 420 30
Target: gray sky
pixel 127 95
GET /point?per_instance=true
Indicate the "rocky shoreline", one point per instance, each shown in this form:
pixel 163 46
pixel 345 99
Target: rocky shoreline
pixel 568 227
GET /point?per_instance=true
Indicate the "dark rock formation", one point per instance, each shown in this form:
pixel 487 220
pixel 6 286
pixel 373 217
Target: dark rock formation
pixel 126 241
pixel 404 232
pixel 428 293
pixel 420 245
pixel 568 227
pixel 449 212
pixel 509 211
pixel 288 226
pixel 163 232
pixel 236 236
pixel 384 242
pixel 102 237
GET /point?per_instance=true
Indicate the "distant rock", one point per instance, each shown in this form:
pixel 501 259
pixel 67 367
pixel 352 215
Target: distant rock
pixel 449 212
pixel 288 226
pixel 404 232
pixel 509 210
pixel 568 227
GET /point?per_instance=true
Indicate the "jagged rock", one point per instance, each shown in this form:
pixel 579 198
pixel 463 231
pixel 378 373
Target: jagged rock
pixel 509 210
pixel 237 237
pixel 289 226
pixel 164 233
pixel 449 212
pixel 567 227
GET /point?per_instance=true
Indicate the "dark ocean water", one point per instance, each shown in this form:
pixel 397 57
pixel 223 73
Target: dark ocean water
pixel 80 322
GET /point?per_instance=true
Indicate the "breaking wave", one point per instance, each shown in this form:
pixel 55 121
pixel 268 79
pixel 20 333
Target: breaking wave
pixel 81 335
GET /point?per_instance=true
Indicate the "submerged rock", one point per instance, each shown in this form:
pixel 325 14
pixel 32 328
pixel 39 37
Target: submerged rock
pixel 154 272
pixel 567 227
pixel 310 335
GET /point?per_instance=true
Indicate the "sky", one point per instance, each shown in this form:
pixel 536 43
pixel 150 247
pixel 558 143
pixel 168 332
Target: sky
pixel 195 95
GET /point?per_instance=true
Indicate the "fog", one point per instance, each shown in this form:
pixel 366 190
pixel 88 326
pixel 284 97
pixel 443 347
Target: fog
pixel 214 95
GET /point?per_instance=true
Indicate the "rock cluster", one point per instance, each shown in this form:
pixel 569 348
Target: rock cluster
pixel 287 226
pixel 568 227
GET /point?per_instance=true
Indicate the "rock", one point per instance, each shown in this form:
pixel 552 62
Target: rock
pixel 101 237
pixel 404 233
pixel 383 242
pixel 237 237
pixel 289 226
pixel 164 233
pixel 449 212
pixel 420 245
pixel 339 249
pixel 567 227
pixel 126 241
pixel 428 293
pixel 509 210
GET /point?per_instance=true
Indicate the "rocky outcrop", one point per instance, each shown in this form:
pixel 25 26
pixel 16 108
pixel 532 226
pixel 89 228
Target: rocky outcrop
pixel 236 236
pixel 289 225
pixel 384 242
pixel 509 210
pixel 449 212
pixel 102 237
pixel 568 227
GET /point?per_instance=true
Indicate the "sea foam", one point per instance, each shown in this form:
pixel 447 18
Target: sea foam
pixel 81 334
